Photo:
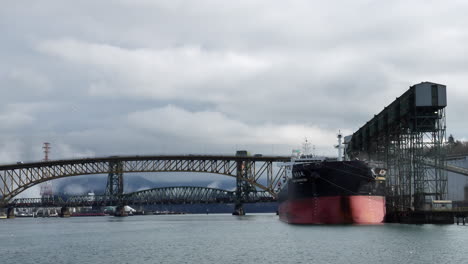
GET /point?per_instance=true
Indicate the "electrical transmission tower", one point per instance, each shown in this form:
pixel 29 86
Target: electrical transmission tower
pixel 46 187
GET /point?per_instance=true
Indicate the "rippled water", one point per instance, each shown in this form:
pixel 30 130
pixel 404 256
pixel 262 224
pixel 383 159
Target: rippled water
pixel 224 239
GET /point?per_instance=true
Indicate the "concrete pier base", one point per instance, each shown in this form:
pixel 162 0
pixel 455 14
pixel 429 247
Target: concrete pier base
pixel 10 213
pixel 64 212
pixel 461 219
pixel 239 211
pixel 120 211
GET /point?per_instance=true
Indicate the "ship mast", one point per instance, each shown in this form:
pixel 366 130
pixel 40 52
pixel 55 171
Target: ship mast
pixel 306 147
pixel 340 146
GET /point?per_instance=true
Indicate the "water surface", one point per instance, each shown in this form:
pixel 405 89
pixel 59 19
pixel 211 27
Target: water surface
pixel 224 239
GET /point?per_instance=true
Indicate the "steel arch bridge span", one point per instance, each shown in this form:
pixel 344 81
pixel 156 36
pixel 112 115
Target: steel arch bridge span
pixel 191 194
pixel 15 178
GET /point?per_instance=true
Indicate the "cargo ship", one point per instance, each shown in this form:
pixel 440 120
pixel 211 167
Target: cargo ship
pixel 321 190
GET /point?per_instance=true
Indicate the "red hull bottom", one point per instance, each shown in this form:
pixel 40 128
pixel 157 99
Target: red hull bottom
pixel 358 209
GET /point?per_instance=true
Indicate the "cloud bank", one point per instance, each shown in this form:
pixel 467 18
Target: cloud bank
pixel 150 77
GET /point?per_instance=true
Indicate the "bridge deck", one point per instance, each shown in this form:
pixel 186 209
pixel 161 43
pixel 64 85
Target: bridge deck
pixel 143 158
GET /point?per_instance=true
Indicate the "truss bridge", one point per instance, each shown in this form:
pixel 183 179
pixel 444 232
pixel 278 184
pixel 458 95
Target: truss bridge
pixel 252 173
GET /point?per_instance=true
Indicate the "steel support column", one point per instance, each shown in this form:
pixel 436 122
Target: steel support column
pixel 243 187
pixel 115 179
pixel 238 205
pixel 114 189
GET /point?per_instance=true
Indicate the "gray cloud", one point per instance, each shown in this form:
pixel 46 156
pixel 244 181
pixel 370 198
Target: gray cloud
pixel 140 77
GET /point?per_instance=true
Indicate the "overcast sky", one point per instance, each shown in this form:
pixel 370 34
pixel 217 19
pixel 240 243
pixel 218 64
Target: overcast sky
pixel 98 78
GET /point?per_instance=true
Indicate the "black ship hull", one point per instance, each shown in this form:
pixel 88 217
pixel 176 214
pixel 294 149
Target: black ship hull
pixel 332 192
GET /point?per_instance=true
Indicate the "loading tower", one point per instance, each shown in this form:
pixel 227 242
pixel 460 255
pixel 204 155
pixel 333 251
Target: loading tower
pixel 408 136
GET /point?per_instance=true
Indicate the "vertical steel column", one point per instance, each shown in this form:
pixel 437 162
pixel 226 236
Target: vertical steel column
pixel 238 205
pixel 114 189
pixel 243 188
pixel 115 179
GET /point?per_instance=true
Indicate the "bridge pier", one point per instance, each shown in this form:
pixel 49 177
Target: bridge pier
pixel 64 212
pixel 242 187
pixel 120 211
pixel 462 218
pixel 10 212
pixel 115 180
pixel 238 209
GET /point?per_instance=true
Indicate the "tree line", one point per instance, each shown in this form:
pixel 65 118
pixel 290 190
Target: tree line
pixel 455 147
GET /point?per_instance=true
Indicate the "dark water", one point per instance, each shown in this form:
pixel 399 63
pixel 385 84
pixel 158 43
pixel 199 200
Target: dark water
pixel 224 239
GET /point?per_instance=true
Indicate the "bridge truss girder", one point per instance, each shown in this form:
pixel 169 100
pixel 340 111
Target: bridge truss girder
pixel 16 178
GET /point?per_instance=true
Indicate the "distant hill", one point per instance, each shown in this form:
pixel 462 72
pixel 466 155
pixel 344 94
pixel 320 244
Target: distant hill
pixel 97 184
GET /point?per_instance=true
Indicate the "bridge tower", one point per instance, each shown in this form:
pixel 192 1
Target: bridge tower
pixel 114 188
pixel 243 188
pixel 115 179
